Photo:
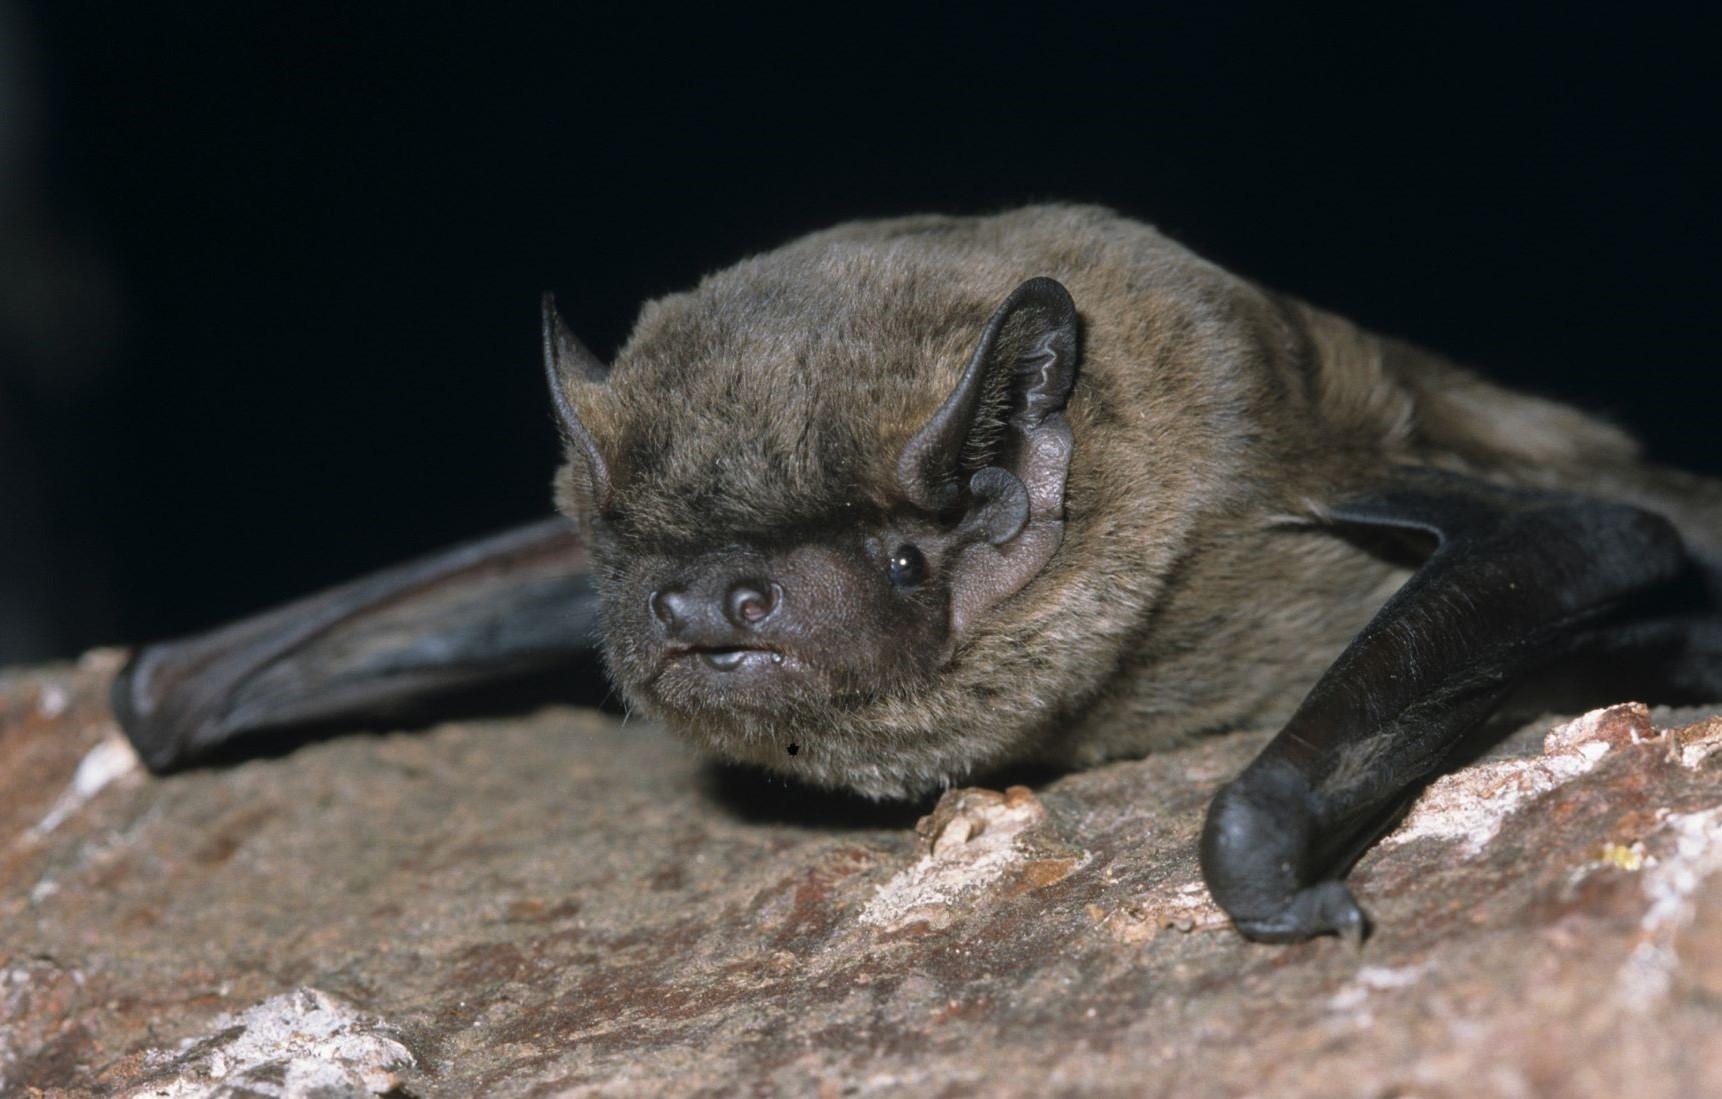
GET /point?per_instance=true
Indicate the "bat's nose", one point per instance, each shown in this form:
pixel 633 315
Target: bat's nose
pixel 713 612
pixel 674 609
pixel 750 602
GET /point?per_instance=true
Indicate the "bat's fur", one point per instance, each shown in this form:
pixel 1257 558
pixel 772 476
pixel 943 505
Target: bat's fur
pixel 1195 589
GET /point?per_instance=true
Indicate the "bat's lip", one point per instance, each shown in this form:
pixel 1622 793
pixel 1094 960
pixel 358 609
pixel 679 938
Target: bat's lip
pixel 752 657
pixel 747 675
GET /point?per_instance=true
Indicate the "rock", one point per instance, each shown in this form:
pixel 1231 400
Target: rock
pixel 305 1042
pixel 977 846
pixel 1469 806
pixel 567 904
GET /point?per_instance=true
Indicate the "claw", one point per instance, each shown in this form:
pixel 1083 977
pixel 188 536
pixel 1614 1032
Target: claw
pixel 1352 924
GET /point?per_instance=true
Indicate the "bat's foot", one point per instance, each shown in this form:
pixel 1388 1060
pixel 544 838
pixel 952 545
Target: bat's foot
pixel 1326 908
pixel 1256 860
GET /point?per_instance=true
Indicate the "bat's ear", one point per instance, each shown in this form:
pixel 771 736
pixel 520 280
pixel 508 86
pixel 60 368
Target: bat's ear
pixel 570 368
pixel 998 449
pixel 1003 413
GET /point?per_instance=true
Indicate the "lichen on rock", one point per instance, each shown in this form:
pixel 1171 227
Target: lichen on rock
pixel 301 1043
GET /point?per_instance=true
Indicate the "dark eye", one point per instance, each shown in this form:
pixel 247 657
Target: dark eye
pixel 908 567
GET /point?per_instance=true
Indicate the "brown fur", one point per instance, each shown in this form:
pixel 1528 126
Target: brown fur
pixel 1194 591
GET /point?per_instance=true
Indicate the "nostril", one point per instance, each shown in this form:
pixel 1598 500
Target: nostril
pixel 669 608
pixel 749 603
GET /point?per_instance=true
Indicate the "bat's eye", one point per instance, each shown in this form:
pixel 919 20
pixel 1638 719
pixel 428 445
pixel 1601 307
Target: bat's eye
pixel 908 567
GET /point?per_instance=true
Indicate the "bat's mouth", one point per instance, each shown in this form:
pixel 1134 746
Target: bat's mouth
pixel 732 658
pixel 755 678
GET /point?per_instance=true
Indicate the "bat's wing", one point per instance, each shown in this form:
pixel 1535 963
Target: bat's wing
pixel 1520 579
pixel 515 603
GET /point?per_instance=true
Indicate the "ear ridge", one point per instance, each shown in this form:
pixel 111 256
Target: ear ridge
pixel 1049 366
pixel 570 366
pixel 1020 374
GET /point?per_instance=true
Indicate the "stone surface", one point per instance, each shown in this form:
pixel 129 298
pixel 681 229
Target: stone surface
pixel 567 904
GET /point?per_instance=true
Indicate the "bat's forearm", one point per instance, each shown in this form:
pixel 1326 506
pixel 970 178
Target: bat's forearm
pixel 516 602
pixel 1516 576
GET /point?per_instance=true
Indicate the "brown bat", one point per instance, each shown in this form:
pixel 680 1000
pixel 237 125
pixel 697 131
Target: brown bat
pixel 905 502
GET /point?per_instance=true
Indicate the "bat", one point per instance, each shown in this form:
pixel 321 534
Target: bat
pixel 904 502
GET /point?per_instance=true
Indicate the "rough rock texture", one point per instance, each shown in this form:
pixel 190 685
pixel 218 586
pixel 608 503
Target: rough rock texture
pixel 565 904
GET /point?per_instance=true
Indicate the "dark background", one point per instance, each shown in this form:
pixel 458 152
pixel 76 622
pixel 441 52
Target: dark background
pixel 274 268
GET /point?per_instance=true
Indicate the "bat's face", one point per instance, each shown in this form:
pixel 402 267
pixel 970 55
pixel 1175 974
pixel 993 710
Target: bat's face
pixel 801 504
pixel 757 628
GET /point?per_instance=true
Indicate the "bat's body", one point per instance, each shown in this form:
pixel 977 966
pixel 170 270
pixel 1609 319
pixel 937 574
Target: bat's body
pixel 851 519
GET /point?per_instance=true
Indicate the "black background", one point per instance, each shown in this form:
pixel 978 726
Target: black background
pixel 328 227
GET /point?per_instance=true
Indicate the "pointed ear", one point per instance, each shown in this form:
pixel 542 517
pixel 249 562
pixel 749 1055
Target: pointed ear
pixel 570 367
pixel 1003 408
pixel 998 450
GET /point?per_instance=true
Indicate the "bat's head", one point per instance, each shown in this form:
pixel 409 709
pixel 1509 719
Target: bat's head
pixel 808 487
